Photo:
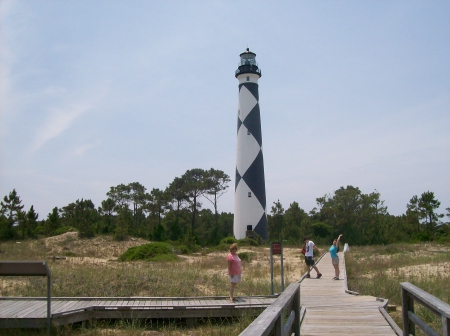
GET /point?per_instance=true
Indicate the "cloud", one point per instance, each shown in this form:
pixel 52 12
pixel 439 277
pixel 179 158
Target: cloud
pixel 61 119
pixel 80 150
pixel 58 121
pixel 54 90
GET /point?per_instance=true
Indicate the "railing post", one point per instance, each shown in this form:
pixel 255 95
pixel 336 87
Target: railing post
pixel 282 268
pixel 49 302
pixel 407 305
pixel 278 328
pixel 271 271
pixel 445 325
pixel 296 309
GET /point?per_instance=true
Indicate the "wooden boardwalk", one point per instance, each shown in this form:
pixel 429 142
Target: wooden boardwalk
pixel 329 309
pixel 31 312
pixel 332 311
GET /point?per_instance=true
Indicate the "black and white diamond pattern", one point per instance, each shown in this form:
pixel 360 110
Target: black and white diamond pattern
pixel 249 166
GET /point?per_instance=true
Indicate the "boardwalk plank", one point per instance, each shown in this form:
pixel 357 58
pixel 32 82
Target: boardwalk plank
pixel 56 305
pixel 331 311
pixel 11 311
pixel 4 305
pixel 66 306
pixel 35 310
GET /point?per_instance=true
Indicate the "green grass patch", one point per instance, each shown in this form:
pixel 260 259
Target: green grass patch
pixel 149 252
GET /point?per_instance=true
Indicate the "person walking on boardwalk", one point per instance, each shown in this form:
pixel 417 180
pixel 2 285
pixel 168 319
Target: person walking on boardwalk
pixel 234 269
pixel 309 257
pixel 334 256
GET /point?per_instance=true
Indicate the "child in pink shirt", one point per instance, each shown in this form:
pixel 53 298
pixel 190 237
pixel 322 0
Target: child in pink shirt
pixel 234 269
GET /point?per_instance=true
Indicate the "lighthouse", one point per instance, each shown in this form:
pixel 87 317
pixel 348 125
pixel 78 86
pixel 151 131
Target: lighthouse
pixel 250 190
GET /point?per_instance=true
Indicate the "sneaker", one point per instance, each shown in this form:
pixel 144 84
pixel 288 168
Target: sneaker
pixel 308 276
pixel 318 275
pixel 335 278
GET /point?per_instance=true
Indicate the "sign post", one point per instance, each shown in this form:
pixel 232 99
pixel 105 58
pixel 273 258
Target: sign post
pixel 276 248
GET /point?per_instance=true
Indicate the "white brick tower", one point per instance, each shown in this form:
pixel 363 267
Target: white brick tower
pixel 250 189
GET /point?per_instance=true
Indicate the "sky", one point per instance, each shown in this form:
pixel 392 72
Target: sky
pixel 97 93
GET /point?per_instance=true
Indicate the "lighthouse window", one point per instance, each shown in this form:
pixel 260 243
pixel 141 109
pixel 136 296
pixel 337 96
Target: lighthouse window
pixel 249 194
pixel 248 132
pixel 239 112
pixel 248 78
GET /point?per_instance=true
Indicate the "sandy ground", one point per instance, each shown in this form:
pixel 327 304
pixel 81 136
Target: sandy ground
pixel 423 270
pixel 101 247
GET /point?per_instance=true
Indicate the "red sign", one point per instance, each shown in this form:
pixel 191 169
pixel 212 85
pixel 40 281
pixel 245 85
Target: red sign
pixel 276 248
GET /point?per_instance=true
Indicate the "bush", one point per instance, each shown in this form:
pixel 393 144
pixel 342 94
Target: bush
pixel 149 252
pixel 181 246
pixel 182 249
pixel 244 256
pixel 195 248
pixel 64 229
pixel 248 242
pixel 39 230
pixel 423 237
pixel 173 242
pixel 222 247
pixel 228 240
pixel 443 240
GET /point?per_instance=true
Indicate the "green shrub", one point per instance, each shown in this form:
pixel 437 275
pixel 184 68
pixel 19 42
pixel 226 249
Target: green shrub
pixel 443 240
pixel 423 237
pixel 228 240
pixel 180 245
pixel 248 242
pixel 149 252
pixel 222 247
pixel 173 242
pixel 195 248
pixel 244 256
pixel 63 230
pixel 39 230
pixel 182 249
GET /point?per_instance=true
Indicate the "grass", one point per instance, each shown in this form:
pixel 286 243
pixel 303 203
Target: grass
pixel 205 327
pixel 372 270
pixel 78 276
pixel 379 270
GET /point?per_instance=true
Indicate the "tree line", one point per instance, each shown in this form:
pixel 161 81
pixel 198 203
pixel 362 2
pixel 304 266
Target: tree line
pixel 177 214
pixel 363 219
pixel 129 210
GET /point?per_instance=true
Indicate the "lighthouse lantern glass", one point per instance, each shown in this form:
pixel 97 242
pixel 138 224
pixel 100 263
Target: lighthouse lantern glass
pixel 248 59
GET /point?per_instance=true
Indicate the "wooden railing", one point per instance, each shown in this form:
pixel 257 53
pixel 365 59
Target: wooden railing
pixel 30 268
pixel 271 320
pixel 411 293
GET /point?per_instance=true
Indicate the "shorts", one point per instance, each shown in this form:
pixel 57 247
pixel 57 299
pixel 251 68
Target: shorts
pixel 309 261
pixel 236 278
pixel 335 261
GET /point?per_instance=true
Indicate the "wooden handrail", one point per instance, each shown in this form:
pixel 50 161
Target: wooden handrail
pixel 271 320
pixel 30 268
pixel 411 293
